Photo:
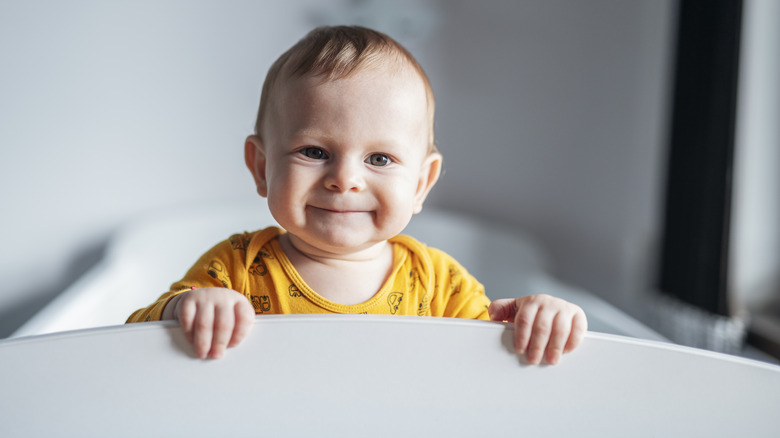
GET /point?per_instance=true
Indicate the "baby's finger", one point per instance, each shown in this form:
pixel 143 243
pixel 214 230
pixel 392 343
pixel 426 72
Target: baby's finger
pixel 558 338
pixel 524 325
pixel 224 321
pixel 245 316
pixel 185 312
pixel 540 336
pixel 203 328
pixel 503 310
pixel 579 327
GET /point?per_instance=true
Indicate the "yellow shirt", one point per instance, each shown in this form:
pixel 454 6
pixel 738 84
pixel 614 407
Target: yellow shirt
pixel 424 281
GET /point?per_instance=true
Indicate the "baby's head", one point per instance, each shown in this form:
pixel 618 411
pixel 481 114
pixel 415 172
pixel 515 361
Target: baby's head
pixel 335 52
pixel 343 147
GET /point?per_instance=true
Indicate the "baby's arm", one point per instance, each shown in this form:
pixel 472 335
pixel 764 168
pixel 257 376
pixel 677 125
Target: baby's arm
pixel 545 326
pixel 212 318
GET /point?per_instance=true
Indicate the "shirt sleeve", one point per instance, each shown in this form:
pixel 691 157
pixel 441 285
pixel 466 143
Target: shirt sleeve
pixel 218 267
pixel 457 293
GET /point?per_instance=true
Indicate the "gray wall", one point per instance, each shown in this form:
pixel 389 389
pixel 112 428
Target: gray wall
pixel 551 116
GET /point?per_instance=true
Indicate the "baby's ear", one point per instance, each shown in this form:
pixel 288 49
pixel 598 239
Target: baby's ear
pixel 429 174
pixel 254 155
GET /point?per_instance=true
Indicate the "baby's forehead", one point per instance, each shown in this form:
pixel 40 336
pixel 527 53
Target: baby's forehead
pixel 373 79
pixel 372 90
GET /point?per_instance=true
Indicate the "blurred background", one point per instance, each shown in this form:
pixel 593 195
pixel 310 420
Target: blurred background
pixel 553 117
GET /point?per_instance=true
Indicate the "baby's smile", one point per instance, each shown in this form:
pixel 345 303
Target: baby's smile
pixel 338 212
pixel 343 211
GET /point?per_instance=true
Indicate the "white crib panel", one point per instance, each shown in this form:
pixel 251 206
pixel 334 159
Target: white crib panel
pixel 354 375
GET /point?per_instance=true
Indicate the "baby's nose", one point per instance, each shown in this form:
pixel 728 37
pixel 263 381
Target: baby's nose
pixel 346 176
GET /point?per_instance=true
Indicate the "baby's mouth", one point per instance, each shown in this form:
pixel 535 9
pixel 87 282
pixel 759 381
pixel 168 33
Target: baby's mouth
pixel 338 210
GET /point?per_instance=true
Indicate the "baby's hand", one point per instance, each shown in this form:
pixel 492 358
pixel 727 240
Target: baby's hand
pixel 544 325
pixel 212 319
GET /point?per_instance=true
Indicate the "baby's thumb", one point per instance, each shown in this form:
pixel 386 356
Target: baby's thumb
pixel 502 310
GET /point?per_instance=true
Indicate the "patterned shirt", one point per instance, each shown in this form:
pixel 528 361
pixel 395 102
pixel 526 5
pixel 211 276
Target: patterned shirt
pixel 424 281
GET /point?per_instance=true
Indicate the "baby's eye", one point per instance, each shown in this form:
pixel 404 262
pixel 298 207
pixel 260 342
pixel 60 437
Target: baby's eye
pixel 314 153
pixel 378 160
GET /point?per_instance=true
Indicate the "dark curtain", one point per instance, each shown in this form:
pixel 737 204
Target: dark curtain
pixel 694 252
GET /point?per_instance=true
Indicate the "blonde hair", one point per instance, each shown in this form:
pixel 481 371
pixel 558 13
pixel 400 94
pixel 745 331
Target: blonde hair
pixel 336 52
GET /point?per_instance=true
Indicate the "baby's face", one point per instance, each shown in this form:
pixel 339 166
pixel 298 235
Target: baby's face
pixel 347 161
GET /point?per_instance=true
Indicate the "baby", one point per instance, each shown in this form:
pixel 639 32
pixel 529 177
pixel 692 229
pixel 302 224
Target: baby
pixel 344 152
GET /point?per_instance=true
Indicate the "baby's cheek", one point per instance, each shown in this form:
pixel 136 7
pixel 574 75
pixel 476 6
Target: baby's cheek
pixel 281 210
pixel 397 207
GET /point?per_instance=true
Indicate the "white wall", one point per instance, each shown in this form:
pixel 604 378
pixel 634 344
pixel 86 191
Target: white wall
pixel 550 116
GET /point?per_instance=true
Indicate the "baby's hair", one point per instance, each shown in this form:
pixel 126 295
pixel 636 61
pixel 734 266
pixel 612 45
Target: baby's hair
pixel 336 52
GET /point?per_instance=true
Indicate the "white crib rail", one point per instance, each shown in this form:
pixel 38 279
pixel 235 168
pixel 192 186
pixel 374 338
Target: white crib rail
pixel 357 375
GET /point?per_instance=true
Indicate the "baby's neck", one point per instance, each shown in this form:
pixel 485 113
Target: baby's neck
pixel 293 244
pixel 344 278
